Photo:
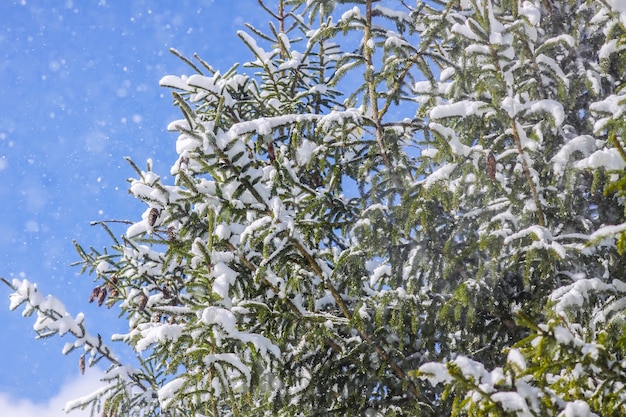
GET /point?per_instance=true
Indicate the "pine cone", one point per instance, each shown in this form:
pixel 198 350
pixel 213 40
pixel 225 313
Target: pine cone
pixel 491 166
pixel 153 216
pixel 141 305
pixel 102 296
pixel 95 294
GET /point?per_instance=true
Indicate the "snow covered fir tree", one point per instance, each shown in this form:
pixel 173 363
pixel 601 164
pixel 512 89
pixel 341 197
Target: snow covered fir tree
pixel 390 209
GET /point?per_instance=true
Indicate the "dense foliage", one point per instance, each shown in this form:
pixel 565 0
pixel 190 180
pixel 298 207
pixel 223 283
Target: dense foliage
pixel 390 209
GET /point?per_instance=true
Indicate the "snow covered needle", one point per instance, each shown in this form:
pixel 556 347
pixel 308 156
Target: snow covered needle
pixel 52 318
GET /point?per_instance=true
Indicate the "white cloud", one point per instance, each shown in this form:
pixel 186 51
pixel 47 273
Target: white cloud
pixel 72 389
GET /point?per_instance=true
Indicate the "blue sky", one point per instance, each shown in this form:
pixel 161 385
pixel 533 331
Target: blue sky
pixel 79 92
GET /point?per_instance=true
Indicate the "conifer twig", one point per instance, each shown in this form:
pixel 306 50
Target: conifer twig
pixel 368 39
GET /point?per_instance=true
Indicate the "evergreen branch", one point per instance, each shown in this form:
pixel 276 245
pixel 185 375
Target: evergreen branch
pixel 185 108
pixel 59 318
pixel 253 268
pixel 270 11
pixel 520 150
pixel 348 314
pixel 135 167
pixel 373 95
pixel 617 144
pixel 75 328
pixel 104 224
pixel 185 60
pixel 529 179
pixel 535 66
pixel 294 309
pixel 398 83
pixel 204 63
